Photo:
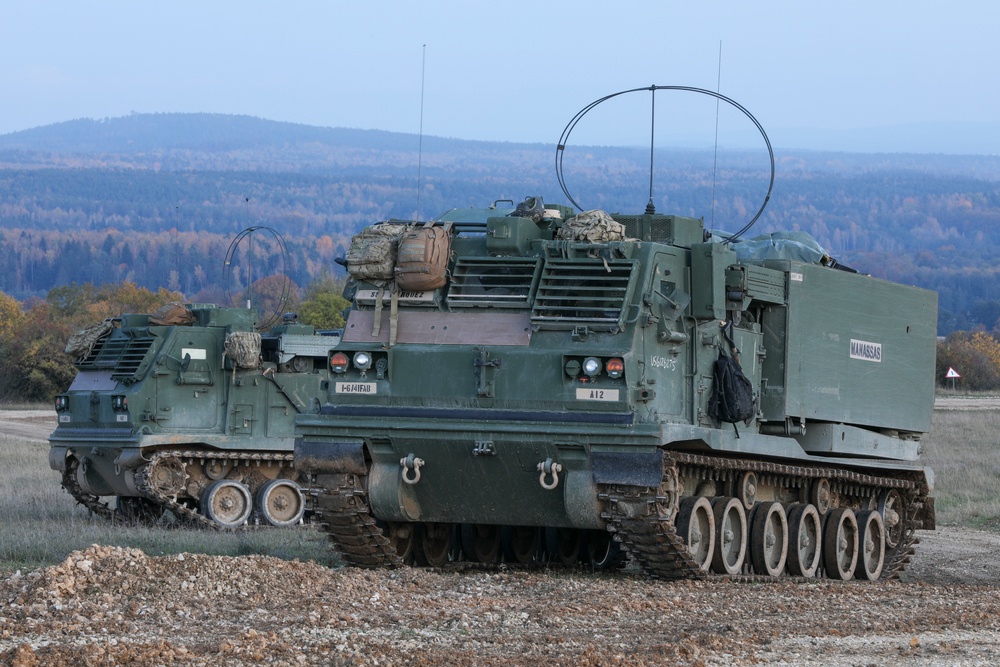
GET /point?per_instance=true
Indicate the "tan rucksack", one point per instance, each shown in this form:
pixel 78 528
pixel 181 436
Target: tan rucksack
pixel 172 314
pixel 372 254
pixel 422 259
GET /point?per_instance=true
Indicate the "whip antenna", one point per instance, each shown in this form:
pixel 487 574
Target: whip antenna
pixel 420 140
pixel 715 158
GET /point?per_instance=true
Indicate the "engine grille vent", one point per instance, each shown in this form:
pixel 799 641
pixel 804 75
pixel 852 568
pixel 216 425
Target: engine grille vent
pixel 576 293
pixel 500 282
pixel 121 355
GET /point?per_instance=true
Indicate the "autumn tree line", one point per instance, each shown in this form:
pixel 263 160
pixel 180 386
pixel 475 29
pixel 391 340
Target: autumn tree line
pixel 34 366
pixel 33 334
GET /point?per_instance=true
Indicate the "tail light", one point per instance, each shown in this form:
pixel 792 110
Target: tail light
pixel 615 368
pixel 62 403
pixel 338 363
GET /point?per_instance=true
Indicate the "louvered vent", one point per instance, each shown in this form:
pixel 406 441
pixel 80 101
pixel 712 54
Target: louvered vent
pixel 658 228
pixel 575 293
pixel 121 355
pixel 494 282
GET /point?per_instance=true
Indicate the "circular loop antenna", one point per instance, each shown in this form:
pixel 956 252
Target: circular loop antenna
pixel 275 315
pixel 564 139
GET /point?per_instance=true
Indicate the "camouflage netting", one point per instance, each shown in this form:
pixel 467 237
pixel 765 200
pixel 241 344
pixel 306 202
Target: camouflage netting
pixel 243 347
pixel 372 255
pixel 593 227
pixel 172 314
pixel 82 343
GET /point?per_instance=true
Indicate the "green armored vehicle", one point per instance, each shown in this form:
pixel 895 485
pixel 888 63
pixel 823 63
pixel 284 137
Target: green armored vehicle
pixel 587 387
pixel 193 414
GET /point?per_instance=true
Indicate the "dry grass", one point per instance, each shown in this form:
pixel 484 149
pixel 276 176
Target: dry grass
pixel 40 524
pixel 963 449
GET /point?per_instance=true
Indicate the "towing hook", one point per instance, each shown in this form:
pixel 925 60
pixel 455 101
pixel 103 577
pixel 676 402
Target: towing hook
pixel 411 462
pixel 546 468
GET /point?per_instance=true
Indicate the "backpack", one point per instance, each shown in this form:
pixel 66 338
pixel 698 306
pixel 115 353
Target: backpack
pixel 422 258
pixel 372 254
pixel 732 397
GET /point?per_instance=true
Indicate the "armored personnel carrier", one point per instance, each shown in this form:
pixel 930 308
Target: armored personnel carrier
pixel 585 386
pixel 191 413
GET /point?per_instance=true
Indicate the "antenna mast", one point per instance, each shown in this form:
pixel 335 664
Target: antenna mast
pixel 420 140
pixel 249 261
pixel 715 157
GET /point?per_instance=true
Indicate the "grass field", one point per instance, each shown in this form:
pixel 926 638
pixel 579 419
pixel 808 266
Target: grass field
pixel 963 449
pixel 40 524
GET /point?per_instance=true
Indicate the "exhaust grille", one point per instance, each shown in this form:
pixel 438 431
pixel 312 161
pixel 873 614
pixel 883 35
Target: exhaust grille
pixel 493 282
pixel 582 293
pixel 121 355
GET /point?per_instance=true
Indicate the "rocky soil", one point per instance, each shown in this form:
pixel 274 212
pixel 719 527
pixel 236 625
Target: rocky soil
pixel 114 606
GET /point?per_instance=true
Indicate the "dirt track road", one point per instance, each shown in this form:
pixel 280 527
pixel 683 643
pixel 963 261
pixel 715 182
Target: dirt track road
pixel 32 425
pixel 119 606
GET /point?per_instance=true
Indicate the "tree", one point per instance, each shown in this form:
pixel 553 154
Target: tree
pixel 975 355
pixel 324 306
pixel 11 315
pixel 271 297
pixel 33 363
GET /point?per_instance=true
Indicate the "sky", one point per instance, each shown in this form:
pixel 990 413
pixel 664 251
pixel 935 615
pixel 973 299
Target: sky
pixel 513 71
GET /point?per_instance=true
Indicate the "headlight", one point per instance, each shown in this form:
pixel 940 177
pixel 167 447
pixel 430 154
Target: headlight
pixel 591 366
pixel 362 361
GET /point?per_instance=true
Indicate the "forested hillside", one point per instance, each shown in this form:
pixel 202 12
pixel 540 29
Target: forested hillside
pixel 156 199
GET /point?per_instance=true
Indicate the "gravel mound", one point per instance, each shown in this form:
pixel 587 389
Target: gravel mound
pixel 110 605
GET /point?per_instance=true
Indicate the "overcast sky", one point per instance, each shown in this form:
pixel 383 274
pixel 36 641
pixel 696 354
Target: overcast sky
pixel 511 71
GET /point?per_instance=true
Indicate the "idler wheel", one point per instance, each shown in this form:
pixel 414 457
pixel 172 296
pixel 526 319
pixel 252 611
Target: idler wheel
pixel 871 545
pixel 696 526
pixel 840 543
pixel 280 502
pixel 227 503
pixel 805 532
pixel 520 543
pixel 730 535
pixel 769 539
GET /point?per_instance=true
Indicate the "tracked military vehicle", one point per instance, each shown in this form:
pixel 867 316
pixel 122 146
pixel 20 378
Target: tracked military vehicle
pixel 192 413
pixel 586 387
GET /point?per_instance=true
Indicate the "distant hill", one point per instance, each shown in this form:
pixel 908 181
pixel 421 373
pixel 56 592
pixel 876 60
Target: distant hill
pixel 156 198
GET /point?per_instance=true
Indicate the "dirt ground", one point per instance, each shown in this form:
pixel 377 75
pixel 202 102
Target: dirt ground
pixel 115 606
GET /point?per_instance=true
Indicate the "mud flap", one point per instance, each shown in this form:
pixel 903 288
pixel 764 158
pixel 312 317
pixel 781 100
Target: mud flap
pixel 341 456
pixel 632 468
